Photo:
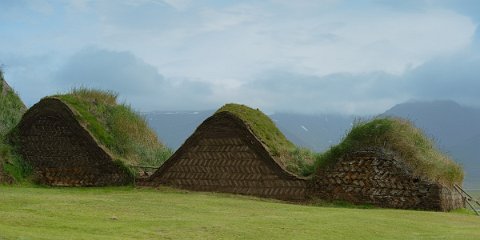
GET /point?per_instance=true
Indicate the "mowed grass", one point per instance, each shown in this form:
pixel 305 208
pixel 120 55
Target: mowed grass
pixel 128 213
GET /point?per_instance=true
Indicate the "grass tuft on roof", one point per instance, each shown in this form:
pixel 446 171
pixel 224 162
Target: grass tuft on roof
pixel 117 127
pixel 402 138
pixel 295 159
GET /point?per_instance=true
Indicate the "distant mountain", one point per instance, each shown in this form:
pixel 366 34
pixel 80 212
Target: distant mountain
pixel 317 132
pixel 304 130
pixel 455 128
pixel 174 128
pixel 447 121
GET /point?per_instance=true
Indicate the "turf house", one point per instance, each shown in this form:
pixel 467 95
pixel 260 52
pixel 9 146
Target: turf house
pixel 85 138
pixel 387 162
pixel 237 150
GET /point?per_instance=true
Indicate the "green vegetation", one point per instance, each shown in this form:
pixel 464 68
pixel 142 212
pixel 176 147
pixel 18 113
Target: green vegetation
pixel 296 160
pixel 11 107
pixel 13 164
pixel 402 138
pixel 117 127
pixel 392 134
pixel 11 111
pixel 261 125
pixel 128 213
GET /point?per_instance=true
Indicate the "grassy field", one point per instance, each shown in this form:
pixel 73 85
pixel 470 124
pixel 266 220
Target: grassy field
pixel 128 213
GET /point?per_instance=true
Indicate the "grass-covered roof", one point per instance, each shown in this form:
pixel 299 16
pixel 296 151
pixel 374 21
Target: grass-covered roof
pixel 11 107
pixel 11 111
pixel 293 158
pixel 116 126
pixel 402 138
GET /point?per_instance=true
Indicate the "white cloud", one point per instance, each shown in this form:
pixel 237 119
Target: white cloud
pixel 228 51
pixel 242 40
pixel 135 80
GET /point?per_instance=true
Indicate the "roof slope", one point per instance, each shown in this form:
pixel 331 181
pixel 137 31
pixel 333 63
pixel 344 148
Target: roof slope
pixel 291 157
pixel 11 111
pixel 225 155
pixel 116 126
pixel 261 125
pixel 402 138
pixel 11 107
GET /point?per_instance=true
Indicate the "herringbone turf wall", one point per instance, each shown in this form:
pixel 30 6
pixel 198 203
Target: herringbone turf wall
pixel 62 152
pixel 224 156
pixel 375 177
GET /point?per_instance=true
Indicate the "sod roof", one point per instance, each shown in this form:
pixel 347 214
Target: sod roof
pixel 293 158
pixel 116 126
pixel 11 107
pixel 402 138
pixel 11 111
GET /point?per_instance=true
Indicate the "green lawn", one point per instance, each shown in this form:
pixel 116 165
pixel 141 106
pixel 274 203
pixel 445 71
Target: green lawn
pixel 128 213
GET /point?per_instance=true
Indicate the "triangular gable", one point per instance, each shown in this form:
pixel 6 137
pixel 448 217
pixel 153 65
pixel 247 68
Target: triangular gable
pixel 62 152
pixel 223 155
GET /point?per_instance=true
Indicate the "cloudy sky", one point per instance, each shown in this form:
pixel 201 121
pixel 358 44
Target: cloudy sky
pixel 351 57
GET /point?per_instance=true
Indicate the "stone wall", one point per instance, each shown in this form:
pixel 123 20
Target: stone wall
pixel 378 178
pixel 224 156
pixel 62 152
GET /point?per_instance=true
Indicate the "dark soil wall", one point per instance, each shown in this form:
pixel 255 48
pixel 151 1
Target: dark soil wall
pixel 377 178
pixel 62 152
pixel 224 156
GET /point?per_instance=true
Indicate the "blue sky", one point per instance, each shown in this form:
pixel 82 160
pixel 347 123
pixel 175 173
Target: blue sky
pixel 350 57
